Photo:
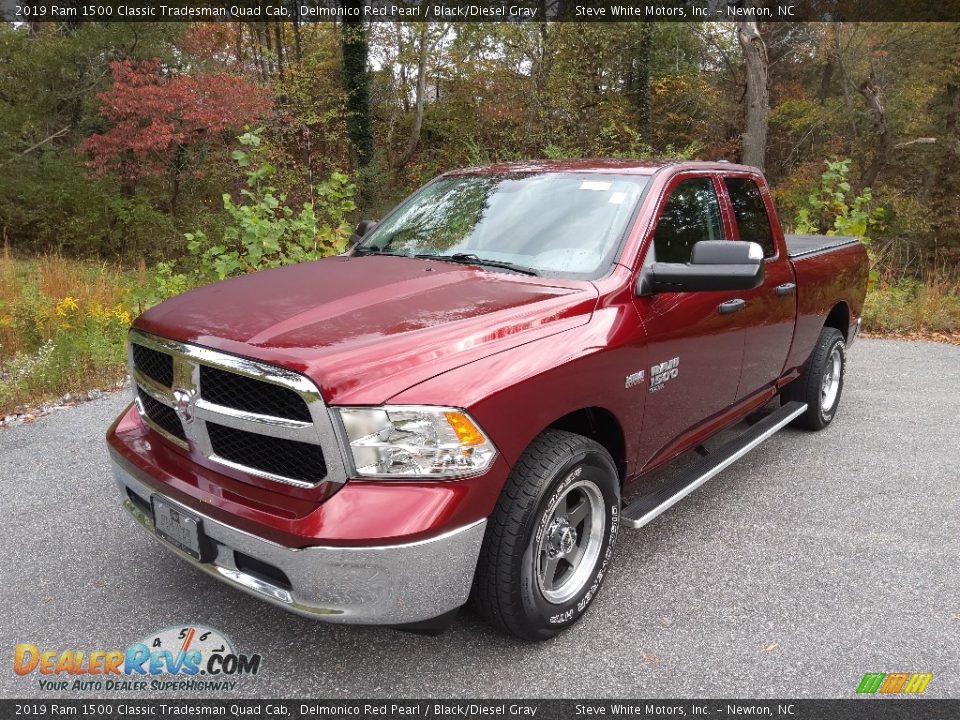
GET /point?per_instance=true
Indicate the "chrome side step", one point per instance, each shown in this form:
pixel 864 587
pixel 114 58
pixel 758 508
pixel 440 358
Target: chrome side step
pixel 645 508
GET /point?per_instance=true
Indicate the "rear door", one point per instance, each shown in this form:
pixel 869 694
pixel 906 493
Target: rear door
pixel 771 308
pixel 694 349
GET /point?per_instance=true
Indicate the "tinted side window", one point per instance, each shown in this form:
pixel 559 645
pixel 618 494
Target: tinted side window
pixel 690 215
pixel 751 213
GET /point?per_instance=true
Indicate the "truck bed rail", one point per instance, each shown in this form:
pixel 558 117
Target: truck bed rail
pixel 802 245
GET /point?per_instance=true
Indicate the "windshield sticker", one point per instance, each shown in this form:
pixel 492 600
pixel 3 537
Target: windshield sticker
pixel 617 198
pixel 596 185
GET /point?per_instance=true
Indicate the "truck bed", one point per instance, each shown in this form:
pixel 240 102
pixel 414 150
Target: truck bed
pixel 801 245
pixel 828 269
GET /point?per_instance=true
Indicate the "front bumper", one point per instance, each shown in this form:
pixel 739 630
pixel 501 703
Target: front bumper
pixel 374 585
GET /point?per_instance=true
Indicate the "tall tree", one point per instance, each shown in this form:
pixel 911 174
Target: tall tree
pixel 297 43
pixel 356 82
pixel 870 90
pixel 278 41
pixel 638 78
pixel 757 96
pixel 156 120
pixel 414 136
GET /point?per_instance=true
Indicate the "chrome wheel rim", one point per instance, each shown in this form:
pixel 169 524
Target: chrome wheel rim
pixel 830 386
pixel 567 552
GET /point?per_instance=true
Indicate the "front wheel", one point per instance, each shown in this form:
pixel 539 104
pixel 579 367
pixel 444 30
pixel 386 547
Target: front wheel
pixel 821 383
pixel 551 537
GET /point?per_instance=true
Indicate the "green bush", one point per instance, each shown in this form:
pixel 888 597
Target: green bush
pixel 49 204
pixel 832 208
pixel 261 231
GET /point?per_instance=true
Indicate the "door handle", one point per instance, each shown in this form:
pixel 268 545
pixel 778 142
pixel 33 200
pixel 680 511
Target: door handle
pixel 785 289
pixel 731 306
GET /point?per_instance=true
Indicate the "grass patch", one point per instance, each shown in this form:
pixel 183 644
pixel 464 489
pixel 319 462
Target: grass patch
pixel 63 324
pixel 908 306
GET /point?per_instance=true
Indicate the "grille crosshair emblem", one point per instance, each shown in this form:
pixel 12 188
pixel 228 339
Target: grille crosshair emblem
pixel 183 401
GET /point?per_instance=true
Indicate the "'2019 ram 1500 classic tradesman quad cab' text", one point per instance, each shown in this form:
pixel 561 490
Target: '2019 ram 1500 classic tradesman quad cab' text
pixel 451 410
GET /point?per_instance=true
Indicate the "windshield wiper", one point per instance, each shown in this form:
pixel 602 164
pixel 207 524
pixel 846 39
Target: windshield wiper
pixel 377 251
pixel 471 259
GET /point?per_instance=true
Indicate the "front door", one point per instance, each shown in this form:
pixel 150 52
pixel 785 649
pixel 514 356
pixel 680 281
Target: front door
pixel 695 351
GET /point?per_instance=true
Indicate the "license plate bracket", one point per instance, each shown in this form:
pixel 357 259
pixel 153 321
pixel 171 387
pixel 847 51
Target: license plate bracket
pixel 182 529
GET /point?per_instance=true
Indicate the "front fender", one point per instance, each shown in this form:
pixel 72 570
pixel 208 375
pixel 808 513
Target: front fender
pixel 516 394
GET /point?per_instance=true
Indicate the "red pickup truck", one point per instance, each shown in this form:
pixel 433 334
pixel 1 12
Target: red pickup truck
pixel 452 410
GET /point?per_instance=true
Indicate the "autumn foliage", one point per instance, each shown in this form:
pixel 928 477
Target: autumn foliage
pixel 156 116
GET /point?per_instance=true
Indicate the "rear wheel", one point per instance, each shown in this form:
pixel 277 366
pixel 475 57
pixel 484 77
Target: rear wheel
pixel 821 384
pixel 551 537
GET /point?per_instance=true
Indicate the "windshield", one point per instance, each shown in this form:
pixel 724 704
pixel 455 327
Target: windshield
pixel 567 224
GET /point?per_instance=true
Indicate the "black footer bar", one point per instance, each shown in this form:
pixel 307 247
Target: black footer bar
pixel 873 708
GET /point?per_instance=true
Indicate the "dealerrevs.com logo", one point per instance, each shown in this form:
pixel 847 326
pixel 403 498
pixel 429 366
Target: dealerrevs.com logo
pixel 898 683
pixel 186 658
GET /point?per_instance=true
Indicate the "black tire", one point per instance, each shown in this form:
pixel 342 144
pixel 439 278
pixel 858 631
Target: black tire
pixel 809 387
pixel 526 533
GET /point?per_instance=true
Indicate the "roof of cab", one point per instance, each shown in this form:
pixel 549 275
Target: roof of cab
pixel 623 166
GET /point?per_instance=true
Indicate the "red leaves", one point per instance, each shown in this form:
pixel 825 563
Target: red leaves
pixel 154 115
pixel 210 41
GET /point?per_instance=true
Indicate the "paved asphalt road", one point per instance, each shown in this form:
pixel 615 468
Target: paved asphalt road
pixel 817 558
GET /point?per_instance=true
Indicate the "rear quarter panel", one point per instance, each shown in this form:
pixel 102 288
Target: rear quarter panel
pixel 823 280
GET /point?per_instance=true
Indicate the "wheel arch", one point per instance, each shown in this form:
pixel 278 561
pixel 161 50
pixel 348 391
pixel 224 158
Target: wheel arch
pixel 839 318
pixel 601 425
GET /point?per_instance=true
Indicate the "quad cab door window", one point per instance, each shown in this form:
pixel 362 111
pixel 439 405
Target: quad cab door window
pixel 687 326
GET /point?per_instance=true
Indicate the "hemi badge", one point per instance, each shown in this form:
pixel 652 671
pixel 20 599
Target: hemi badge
pixel 634 379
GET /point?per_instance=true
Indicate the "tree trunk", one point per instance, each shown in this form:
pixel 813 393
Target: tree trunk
pixel 945 189
pixel 297 47
pixel 757 98
pixel 828 69
pixel 356 82
pixel 177 165
pixel 847 82
pixel 870 91
pixel 269 44
pixel 278 40
pixel 414 137
pixel 638 80
pixel 238 44
pixel 537 132
pixel 952 119
pixel 256 44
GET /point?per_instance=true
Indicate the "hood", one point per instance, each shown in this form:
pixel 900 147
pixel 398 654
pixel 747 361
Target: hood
pixel 367 328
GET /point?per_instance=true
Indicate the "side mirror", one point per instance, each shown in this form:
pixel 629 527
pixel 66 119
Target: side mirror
pixel 363 228
pixel 714 265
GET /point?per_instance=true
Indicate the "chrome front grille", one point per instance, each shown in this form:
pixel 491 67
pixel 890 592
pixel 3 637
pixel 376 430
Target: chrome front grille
pixel 239 413
pixel 161 415
pixel 284 458
pixel 243 393
pixel 155 365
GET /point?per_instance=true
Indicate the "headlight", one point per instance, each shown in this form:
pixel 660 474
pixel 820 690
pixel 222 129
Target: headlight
pixel 415 441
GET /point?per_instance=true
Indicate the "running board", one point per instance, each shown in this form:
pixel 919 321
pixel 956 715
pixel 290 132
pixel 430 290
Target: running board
pixel 645 508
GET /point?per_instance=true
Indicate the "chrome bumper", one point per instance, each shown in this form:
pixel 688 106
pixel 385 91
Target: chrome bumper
pixel 382 585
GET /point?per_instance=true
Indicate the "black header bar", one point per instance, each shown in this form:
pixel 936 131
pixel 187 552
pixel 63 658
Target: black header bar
pixel 78 11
